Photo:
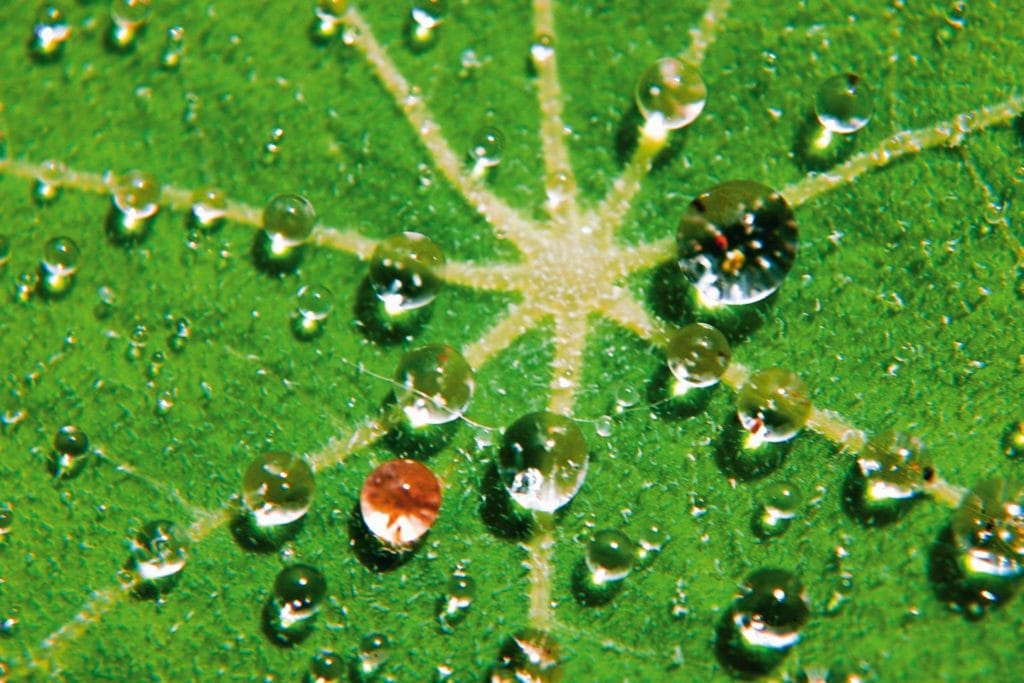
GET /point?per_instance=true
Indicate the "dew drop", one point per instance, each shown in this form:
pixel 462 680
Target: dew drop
pixel 895 469
pixel 1013 440
pixel 49 33
pixel 328 19
pixel 5 250
pixel 289 615
pixel 313 303
pixel 529 655
pixel 543 461
pixel 765 621
pixel 542 49
pixel 697 355
pixel 405 272
pixel 136 200
pixel 278 488
pixel 158 551
pixel 457 599
pixel 604 426
pixel 434 385
pixel 208 210
pixel 486 148
pixel 626 397
pixel 425 18
pixel 773 405
pixel 48 181
pixel 844 104
pixel 610 556
pixel 174 48
pixel 671 94
pixel 288 222
pixel 779 504
pixel 988 528
pixel 326 667
pixel 6 520
pixel 737 242
pixel 400 502
pixel 272 147
pixel 374 649
pixel 128 19
pixel 178 339
pixel 58 266
pixel 70 452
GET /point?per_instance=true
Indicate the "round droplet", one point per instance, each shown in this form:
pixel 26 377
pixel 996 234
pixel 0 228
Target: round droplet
pixel 209 207
pixel 158 551
pixel 989 531
pixel 298 591
pixel 434 385
pixel 780 502
pixel 486 148
pixel 894 467
pixel 773 405
pixel 313 303
pixel 6 519
pixel 405 271
pixel 530 655
pixel 767 618
pixel 457 599
pixel 50 32
pixel 671 94
pixel 61 256
pixel 1013 440
pixel 400 502
pixel 174 48
pixel 426 17
pixel 289 219
pixel 610 556
pixel 329 18
pixel 737 242
pixel 48 180
pixel 278 488
pixel 130 12
pixel 70 452
pixel 326 667
pixel 698 354
pixel 543 461
pixel 844 103
pixel 542 49
pixel 374 649
pixel 137 196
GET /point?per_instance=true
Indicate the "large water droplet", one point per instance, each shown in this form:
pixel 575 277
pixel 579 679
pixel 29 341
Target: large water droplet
pixel 773 405
pixel 989 530
pixel 671 94
pixel 400 502
pixel 895 469
pixel 289 615
pixel 844 104
pixel 136 202
pixel 765 621
pixel 278 488
pixel 543 461
pixel 405 271
pixel 737 242
pixel 610 556
pixel 288 222
pixel 529 656
pixel 326 667
pixel 434 385
pixel 697 355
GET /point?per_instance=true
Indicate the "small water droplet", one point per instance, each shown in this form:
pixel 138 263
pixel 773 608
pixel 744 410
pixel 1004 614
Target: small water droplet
pixel 272 147
pixel 326 667
pixel 529 655
pixel 604 426
pixel 313 303
pixel 289 615
pixel 844 104
pixel 405 272
pixel 610 556
pixel 374 649
pixel 288 222
pixel 697 356
pixel 434 385
pixel 542 49
pixel 1013 440
pixel 425 19
pixel 61 258
pixel 49 33
pixel 543 461
pixel 128 19
pixel 400 501
pixel 5 250
pixel 156 555
pixel 70 452
pixel 894 469
pixel 328 19
pixel 671 94
pixel 457 599
pixel 6 520
pixel 136 200
pixel 773 406
pixel 485 150
pixel 779 504
pixel 48 181
pixel 764 622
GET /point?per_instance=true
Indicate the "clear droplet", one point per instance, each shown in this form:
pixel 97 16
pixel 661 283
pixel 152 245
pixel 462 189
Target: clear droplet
pixel 209 207
pixel 136 202
pixel 988 528
pixel 158 552
pixel 49 33
pixel 326 667
pixel 426 17
pixel 604 426
pixel 1013 440
pixel 773 405
pixel 289 219
pixel 400 502
pixel 698 354
pixel 70 452
pixel 531 656
pixel 48 180
pixel 272 147
pixel 542 49
pixel 374 649
pixel 299 591
pixel 543 461
pixel 278 488
pixel 671 94
pixel 895 468
pixel 486 148
pixel 174 48
pixel 434 385
pixel 737 242
pixel 58 266
pixel 766 619
pixel 844 104
pixel 405 272
pixel 610 556
pixel 780 502
pixel 128 18
pixel 313 303
pixel 328 18
pixel 457 599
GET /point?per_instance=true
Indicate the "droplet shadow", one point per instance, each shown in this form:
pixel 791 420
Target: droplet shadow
pixel 587 592
pixel 378 325
pixel 855 504
pixel 815 148
pixel 262 539
pixel 736 460
pixel 735 658
pixel 416 443
pixel 372 552
pixel 668 404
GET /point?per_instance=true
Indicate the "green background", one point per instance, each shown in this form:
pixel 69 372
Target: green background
pixel 862 318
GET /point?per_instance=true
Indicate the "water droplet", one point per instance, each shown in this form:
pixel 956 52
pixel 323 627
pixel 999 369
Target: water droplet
pixel 780 502
pixel 1013 440
pixel 697 355
pixel 326 667
pixel 626 397
pixel 165 402
pixel 529 655
pixel 425 18
pixel 610 556
pixel 844 104
pixel 49 33
pixel 5 250
pixel 278 488
pixel 988 528
pixel 288 221
pixel 328 19
pixel 178 339
pixel 137 341
pixel 737 242
pixel 404 272
pixel 773 405
pixel 543 461
pixel 6 520
pixel 59 264
pixel 435 385
pixel 128 18
pixel 70 452
pixel 604 426
pixel 313 303
pixel 374 649
pixel 272 147
pixel 486 148
pixel 136 200
pixel 542 49
pixel 156 555
pixel 400 502
pixel 48 180
pixel 457 599
pixel 895 469
pixel 671 94
pixel 765 621
pixel 209 207
pixel 174 48
pixel 289 615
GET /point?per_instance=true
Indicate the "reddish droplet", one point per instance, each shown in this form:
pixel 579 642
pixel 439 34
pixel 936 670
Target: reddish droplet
pixel 400 501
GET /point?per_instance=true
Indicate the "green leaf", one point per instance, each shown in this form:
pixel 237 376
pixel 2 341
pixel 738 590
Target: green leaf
pixel 899 313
